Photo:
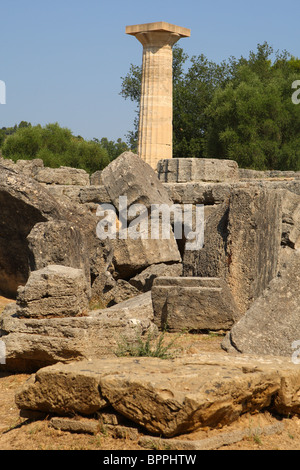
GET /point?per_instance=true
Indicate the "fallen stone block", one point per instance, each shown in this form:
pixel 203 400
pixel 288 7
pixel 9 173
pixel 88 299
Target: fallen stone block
pixel 53 291
pixel 167 397
pixel 242 241
pixel 63 175
pixel 184 170
pixel 131 256
pixel 271 325
pixel 144 280
pixel 46 247
pixel 209 443
pixel 128 175
pixel 290 219
pixel 24 203
pixel 191 303
pixel 83 425
pixel 32 343
pixel 95 178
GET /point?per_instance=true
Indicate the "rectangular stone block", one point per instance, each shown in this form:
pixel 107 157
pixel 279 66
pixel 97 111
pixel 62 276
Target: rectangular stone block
pixel 184 170
pixel 190 303
pixel 53 291
pixel 63 175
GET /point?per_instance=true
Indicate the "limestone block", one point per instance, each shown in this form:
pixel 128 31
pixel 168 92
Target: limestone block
pixel 191 303
pixel 32 343
pixel 95 178
pixel 242 240
pixel 128 175
pixel 290 219
pixel 53 291
pixel 58 242
pixel 167 397
pixel 132 256
pixel 253 243
pixel 144 280
pixel 185 170
pixel 63 175
pixel 271 325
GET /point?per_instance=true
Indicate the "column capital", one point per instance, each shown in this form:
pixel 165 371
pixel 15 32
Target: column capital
pixel 160 26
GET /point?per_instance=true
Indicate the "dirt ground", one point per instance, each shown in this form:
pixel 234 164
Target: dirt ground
pixel 18 433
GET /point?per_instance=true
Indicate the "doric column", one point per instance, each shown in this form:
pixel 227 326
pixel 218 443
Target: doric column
pixel 156 105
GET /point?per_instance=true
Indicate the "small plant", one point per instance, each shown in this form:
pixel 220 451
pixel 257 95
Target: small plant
pixel 149 346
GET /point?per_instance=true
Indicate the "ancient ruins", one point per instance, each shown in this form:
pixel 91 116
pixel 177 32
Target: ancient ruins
pixel 75 294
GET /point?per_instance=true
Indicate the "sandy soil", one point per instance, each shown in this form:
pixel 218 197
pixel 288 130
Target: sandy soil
pixel 18 433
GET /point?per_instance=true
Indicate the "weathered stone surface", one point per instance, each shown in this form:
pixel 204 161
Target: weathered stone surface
pixel 95 194
pixel 144 281
pixel 46 247
pixel 198 193
pixel 255 174
pixel 24 203
pixel 53 291
pixel 212 259
pixel 271 324
pixel 30 167
pixel 63 175
pixel 132 256
pixel 95 178
pixel 185 170
pixel 211 443
pixel 253 245
pixel 191 303
pixel 34 343
pixel 128 175
pixel 167 397
pixel 242 240
pixel 120 292
pixel 83 425
pixel 290 219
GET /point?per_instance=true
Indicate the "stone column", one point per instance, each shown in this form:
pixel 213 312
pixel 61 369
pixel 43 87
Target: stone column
pixel 156 105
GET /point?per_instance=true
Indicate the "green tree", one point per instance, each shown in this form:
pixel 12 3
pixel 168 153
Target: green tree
pixel 252 120
pixel 240 109
pixel 114 149
pixel 56 146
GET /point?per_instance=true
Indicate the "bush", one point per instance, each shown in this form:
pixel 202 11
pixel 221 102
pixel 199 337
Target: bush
pixel 56 146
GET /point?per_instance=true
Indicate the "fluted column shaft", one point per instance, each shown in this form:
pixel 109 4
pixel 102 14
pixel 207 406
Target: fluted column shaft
pixel 155 134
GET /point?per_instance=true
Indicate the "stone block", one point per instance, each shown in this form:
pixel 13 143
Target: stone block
pixel 57 242
pixel 95 178
pixel 54 291
pixel 191 303
pixel 167 397
pixel 128 175
pixel 63 175
pixel 32 343
pixel 131 256
pixel 185 170
pixel 144 280
pixel 271 325
pixel 242 240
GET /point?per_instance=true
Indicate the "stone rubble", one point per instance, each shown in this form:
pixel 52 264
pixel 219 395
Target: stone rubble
pixel 77 296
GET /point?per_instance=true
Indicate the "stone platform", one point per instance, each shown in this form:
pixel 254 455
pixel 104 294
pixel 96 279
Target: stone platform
pixel 167 397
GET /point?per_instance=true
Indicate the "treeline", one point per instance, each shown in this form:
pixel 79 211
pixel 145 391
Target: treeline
pixel 240 109
pixel 57 146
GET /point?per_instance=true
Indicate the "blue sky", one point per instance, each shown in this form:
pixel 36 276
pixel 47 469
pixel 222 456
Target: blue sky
pixel 62 60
